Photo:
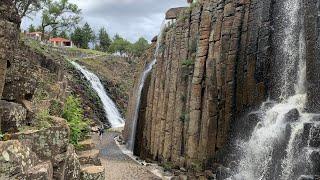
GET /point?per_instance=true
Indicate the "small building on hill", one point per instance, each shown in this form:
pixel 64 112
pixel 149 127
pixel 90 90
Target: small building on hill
pixel 34 35
pixel 61 42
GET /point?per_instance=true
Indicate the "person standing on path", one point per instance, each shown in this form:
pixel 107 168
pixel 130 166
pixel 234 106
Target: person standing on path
pixel 101 131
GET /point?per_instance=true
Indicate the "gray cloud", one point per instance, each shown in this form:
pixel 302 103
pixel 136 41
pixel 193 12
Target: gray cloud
pixel 129 18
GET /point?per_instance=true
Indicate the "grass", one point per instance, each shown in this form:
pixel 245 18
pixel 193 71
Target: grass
pixel 87 51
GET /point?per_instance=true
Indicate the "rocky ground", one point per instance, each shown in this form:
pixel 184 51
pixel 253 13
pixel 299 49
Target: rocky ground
pixel 118 165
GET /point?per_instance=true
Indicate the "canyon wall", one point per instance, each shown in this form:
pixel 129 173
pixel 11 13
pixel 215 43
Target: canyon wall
pixel 213 66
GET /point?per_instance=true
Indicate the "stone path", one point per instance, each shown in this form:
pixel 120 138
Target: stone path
pixel 119 166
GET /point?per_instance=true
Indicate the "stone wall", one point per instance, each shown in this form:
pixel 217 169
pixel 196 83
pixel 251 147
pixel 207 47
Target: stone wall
pixel 213 66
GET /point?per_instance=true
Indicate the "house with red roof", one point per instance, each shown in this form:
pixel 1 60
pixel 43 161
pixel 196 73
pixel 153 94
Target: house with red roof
pixel 61 42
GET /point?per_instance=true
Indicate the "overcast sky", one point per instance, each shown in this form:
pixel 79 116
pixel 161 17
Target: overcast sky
pixel 129 18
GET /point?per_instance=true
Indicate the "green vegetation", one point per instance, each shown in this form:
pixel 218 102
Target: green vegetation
pixel 59 15
pixel 193 45
pixel 43 120
pixel 104 40
pixel 184 117
pixel 167 166
pixel 138 48
pixel 81 37
pixel 197 166
pixel 73 113
pixel 187 62
pixel 120 45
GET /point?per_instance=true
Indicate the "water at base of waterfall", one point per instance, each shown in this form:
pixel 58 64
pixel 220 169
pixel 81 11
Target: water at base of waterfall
pixel 112 112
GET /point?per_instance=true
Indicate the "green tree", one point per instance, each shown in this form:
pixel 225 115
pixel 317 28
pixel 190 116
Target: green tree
pixel 138 48
pixel 54 33
pixel 104 40
pixel 59 14
pixel 77 37
pixel 31 28
pixel 87 36
pixel 120 45
pixel 63 34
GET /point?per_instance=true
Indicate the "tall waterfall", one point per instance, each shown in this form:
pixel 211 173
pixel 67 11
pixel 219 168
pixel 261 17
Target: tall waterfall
pixel 146 72
pixel 112 113
pixel 275 149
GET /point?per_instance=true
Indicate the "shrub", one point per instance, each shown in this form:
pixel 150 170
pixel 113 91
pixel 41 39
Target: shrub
pixel 167 166
pixel 73 113
pixel 187 62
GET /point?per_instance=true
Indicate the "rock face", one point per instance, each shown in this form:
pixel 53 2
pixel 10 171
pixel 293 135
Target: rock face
pixel 9 33
pixel 213 65
pixel 313 54
pixel 12 116
pixel 174 12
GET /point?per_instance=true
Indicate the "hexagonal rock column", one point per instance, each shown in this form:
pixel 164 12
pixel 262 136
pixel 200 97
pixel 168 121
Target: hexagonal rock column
pixel 312 26
pixel 89 157
pixel 92 173
pixel 9 33
pixel 12 116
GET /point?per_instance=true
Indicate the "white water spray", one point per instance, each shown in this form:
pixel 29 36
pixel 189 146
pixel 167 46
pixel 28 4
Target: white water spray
pixel 143 78
pixel 258 151
pixel 112 113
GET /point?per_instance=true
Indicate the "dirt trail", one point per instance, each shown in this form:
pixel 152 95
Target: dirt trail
pixel 118 165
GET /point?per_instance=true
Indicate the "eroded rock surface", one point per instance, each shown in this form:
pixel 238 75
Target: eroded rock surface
pixel 9 33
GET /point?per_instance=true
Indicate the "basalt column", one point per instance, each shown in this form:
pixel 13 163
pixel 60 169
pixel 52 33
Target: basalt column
pixel 9 32
pixel 312 24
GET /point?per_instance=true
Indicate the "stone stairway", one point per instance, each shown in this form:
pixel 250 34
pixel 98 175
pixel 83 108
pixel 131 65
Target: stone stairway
pixel 91 168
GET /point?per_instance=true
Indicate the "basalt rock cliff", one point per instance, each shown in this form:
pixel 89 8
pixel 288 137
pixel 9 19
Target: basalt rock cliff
pixel 216 63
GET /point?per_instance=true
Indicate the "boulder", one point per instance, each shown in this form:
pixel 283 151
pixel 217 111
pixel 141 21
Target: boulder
pixel 46 143
pixel 12 116
pixel 30 113
pixel 71 168
pixel 42 171
pixel 292 116
pixel 89 157
pixel 15 159
pixel 93 173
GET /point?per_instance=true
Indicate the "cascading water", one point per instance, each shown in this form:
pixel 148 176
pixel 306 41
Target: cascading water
pixel 146 72
pixel 275 149
pixel 112 113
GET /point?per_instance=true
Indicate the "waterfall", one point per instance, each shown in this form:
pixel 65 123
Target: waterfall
pixel 275 148
pixel 146 72
pixel 112 113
